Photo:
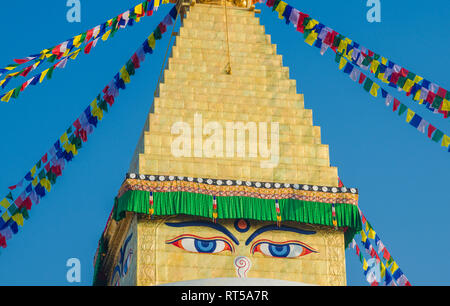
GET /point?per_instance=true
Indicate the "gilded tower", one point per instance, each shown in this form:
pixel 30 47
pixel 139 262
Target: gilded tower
pixel 229 180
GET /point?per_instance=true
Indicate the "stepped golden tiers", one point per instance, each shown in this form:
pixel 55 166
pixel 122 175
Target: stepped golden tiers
pixel 257 208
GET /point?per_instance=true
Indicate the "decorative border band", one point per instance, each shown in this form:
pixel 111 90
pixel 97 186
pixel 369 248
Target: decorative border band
pixel 217 187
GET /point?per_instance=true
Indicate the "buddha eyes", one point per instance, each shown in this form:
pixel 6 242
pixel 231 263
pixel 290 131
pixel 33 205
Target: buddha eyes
pixel 197 244
pixel 214 245
pixel 288 249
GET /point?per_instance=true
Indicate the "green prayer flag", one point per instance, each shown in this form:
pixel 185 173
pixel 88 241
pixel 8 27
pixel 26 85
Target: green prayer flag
pixel 83 37
pixel 24 213
pixel 368 84
pixel 411 76
pixel 157 33
pixel 367 60
pixel 69 130
pixel 306 21
pixel 13 209
pixel 51 177
pixel 390 261
pixel 337 58
pixel 16 92
pixel 275 4
pixel 50 72
pixel 402 109
pixel 376 56
pixel 41 174
pixel 306 33
pixel 103 105
pixel 9 196
pixel 39 164
pixel 130 67
pixel 437 102
pixel 52 58
pixel 437 136
pixel 401 82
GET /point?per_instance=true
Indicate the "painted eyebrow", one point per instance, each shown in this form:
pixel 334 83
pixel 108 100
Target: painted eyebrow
pixel 276 228
pixel 212 225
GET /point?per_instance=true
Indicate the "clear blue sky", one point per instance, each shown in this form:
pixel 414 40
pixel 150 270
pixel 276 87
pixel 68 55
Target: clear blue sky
pixel 402 176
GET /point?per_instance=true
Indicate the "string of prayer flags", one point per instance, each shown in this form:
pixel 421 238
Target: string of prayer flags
pixel 434 97
pixel 395 274
pixel 411 117
pixel 72 47
pixel 39 180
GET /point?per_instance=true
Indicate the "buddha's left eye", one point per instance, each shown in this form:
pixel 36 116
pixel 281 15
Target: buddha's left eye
pixel 197 244
pixel 287 249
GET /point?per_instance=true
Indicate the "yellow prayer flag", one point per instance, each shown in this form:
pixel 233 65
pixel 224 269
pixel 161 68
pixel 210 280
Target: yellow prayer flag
pixel 374 66
pixel 384 60
pixel 371 234
pixel 46 184
pixel 76 41
pixel 106 35
pixel 156 4
pixel 6 217
pixel 18 218
pixel 417 95
pixel 417 79
pixel 64 138
pixel 349 54
pixel 75 54
pixel 342 46
pixel 151 41
pixel 8 95
pixel 2 81
pixel 409 115
pixel 164 1
pixel 363 236
pixel 280 9
pixel 365 265
pixel 124 75
pixel 13 74
pixel 33 170
pixel 35 181
pixel 94 103
pixel 342 62
pixel 446 105
pixel 312 38
pixel 394 267
pixel 97 112
pixel 374 89
pixel 445 141
pixel 311 24
pixel 408 85
pixel 5 203
pixel 43 74
pixel 382 270
pixel 138 9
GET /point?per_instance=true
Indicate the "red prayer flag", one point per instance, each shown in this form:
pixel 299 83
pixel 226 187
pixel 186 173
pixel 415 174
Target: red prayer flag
pixel 386 254
pixel 21 61
pixel 396 104
pixel 362 77
pixel 431 129
pixel 88 47
pixel 135 61
pixel 26 71
pixel 371 53
pixel 430 97
pixel 441 92
pixel 44 158
pixel 404 72
pixel 89 34
pixel 27 203
pixel 2 241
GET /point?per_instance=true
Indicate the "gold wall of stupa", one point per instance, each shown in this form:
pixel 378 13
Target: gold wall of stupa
pixel 258 89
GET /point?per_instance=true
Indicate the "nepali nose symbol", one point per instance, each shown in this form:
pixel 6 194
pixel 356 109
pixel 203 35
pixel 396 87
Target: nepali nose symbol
pixel 242 265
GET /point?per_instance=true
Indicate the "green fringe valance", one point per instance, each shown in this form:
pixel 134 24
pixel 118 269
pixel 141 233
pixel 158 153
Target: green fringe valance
pixel 235 207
